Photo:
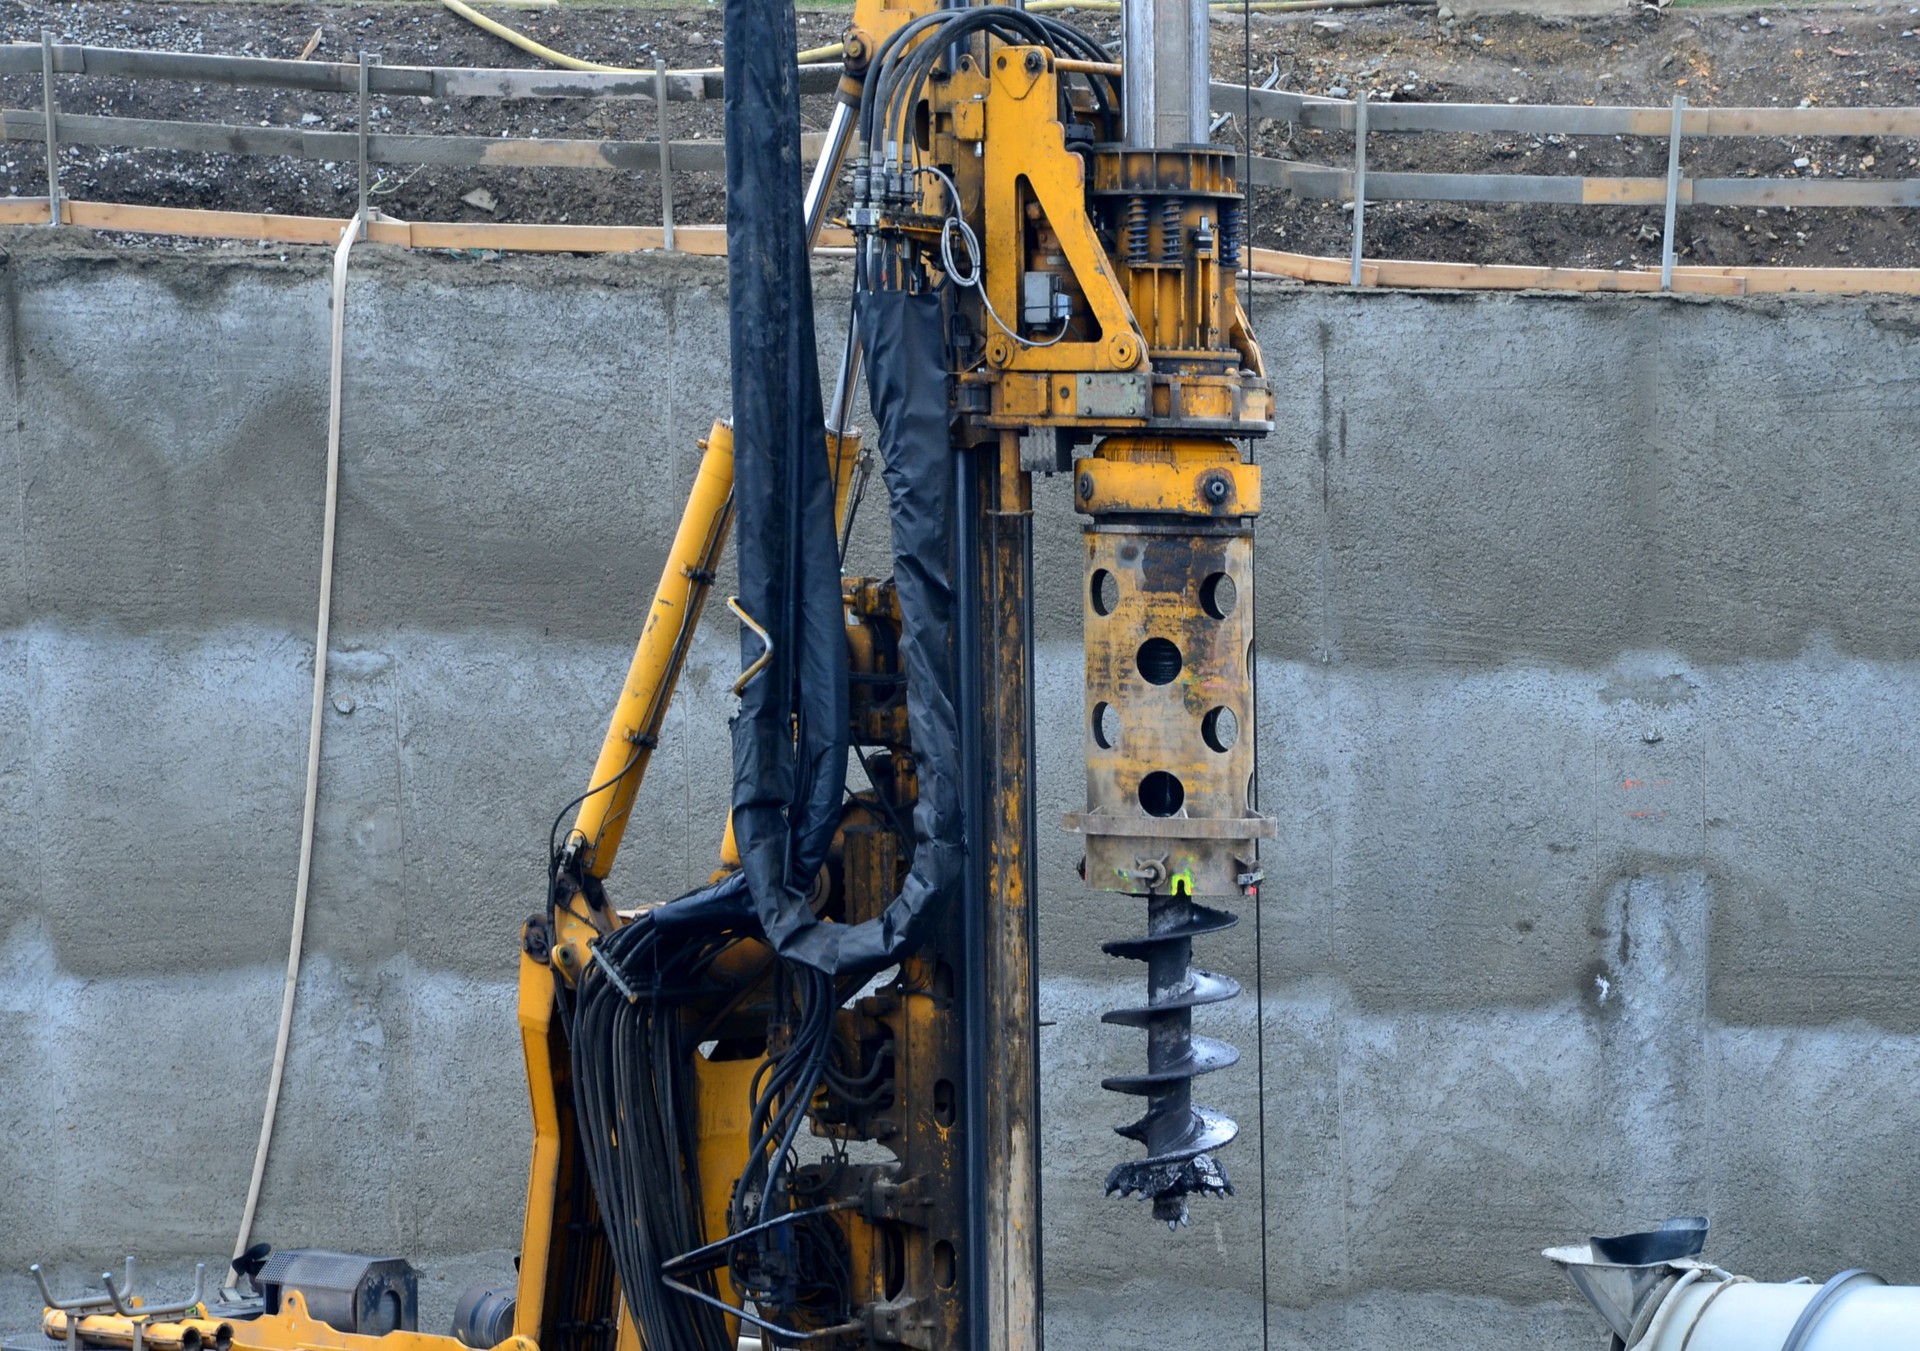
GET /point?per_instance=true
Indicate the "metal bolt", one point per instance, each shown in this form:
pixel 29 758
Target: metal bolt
pixel 1216 489
pixel 1033 63
pixel 1086 485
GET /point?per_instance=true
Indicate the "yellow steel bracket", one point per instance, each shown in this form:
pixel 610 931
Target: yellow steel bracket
pixel 873 22
pixel 1026 157
pixel 295 1329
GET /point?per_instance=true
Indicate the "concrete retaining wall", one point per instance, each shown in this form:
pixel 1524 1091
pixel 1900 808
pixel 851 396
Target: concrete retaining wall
pixel 1590 635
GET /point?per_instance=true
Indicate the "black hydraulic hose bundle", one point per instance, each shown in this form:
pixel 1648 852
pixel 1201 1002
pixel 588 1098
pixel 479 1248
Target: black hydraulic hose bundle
pixel 900 69
pixel 633 1093
pixel 632 1043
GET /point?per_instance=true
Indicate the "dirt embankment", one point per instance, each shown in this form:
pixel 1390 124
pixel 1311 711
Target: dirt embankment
pixel 1825 57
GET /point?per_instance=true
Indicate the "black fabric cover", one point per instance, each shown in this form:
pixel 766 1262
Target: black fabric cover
pixel 790 736
pixel 907 380
pixel 907 386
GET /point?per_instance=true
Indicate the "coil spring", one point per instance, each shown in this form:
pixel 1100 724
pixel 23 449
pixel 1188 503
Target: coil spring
pixel 1138 220
pixel 1171 233
pixel 1179 1136
pixel 1230 236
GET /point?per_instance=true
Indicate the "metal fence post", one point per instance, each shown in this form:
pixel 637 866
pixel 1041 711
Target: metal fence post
pixel 363 142
pixel 1673 192
pixel 666 150
pixel 52 108
pixel 1359 180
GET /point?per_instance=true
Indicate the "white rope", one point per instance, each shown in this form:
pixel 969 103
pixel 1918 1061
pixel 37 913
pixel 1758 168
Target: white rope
pixel 354 230
pixel 1663 1311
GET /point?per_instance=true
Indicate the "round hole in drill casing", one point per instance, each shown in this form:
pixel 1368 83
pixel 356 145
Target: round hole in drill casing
pixel 1158 661
pixel 1161 793
pixel 1103 591
pixel 946 1270
pixel 1217 594
pixel 1220 729
pixel 1106 726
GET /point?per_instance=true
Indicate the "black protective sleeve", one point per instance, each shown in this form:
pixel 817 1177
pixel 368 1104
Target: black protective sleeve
pixel 790 736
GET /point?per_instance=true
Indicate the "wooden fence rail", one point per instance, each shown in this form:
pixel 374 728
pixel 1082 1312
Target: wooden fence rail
pixel 1354 184
pixel 520 152
pixel 1363 119
pixel 1555 119
pixel 343 77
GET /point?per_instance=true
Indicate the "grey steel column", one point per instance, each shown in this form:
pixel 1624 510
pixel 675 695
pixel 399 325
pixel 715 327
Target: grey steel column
pixel 1166 72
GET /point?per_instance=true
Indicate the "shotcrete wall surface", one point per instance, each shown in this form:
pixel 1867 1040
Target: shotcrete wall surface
pixel 1590 697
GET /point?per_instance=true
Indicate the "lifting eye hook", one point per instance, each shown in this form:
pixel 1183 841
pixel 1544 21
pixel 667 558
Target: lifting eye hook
pixel 766 643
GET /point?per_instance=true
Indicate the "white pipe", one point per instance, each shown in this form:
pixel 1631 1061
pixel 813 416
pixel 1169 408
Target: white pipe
pixel 355 228
pixel 1754 1316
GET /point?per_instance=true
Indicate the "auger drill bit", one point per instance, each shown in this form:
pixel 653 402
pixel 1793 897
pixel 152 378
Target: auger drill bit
pixel 1168 635
pixel 1179 1136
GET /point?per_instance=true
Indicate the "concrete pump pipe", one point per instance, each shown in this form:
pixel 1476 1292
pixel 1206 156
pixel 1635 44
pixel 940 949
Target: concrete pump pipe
pixel 1853 1312
pixel 1656 1294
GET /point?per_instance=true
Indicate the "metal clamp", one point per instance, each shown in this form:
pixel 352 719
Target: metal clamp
pixel 1822 1304
pixel 760 662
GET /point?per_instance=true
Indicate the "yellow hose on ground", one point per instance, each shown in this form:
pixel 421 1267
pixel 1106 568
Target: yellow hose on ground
pixel 1232 6
pixel 812 56
pixel 833 51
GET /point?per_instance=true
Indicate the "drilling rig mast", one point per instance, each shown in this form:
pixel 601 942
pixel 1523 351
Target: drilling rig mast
pixel 800 1104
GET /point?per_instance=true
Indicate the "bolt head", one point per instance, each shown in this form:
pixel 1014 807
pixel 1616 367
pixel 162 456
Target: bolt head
pixel 1217 488
pixel 1086 485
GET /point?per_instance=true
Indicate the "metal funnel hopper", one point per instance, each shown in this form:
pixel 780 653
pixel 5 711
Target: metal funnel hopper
pixel 1619 1290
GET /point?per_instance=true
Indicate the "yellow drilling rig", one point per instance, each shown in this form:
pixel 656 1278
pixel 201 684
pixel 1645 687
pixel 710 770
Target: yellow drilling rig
pixel 1045 250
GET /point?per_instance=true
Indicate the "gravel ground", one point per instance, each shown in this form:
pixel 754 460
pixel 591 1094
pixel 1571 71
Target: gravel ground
pixel 1824 57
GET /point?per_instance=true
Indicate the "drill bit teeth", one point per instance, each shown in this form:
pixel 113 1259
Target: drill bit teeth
pixel 1170 1178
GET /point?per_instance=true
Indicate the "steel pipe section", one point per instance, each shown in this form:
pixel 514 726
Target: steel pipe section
pixel 1165 73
